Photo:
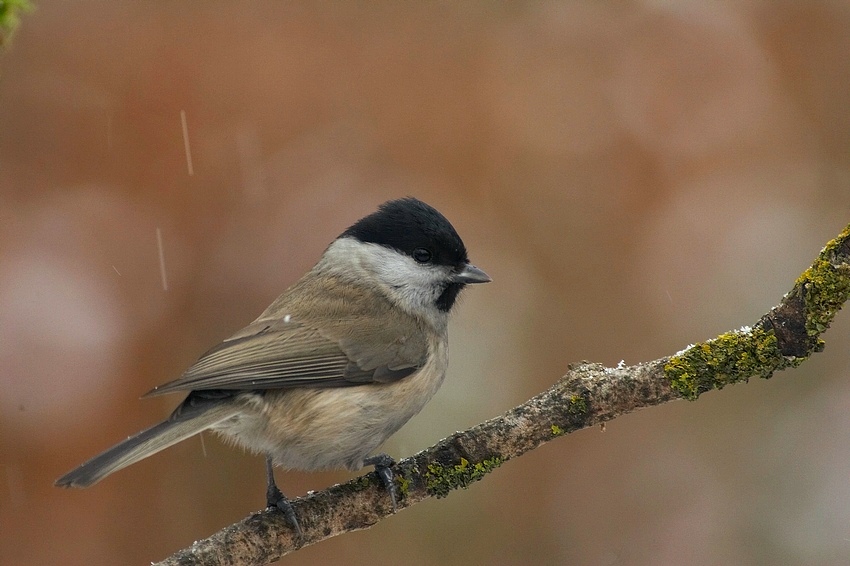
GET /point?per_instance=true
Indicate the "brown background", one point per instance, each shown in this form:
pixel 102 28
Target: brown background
pixel 635 176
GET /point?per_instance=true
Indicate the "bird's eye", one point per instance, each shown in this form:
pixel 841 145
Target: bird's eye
pixel 421 255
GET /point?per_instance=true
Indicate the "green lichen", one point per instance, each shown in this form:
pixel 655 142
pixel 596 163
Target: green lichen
pixel 362 482
pixel 825 288
pixel 440 480
pixel 557 431
pixel 577 406
pixel 736 356
pixel 729 358
pixel 403 485
pixel 833 246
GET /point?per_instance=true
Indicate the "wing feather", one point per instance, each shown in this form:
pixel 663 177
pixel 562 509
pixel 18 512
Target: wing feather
pixel 271 354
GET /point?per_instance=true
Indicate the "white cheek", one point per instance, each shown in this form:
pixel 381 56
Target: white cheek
pixel 413 285
pixel 416 285
pixel 397 270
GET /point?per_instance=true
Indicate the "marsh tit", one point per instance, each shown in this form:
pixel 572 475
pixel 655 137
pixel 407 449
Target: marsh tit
pixel 337 363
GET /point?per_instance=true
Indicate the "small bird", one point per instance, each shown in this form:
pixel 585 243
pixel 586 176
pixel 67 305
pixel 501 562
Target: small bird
pixel 336 365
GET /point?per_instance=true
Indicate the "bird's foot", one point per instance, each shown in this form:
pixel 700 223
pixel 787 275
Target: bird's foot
pixel 276 499
pixel 383 463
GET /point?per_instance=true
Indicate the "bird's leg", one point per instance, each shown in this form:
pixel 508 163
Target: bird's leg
pixel 382 463
pixel 275 498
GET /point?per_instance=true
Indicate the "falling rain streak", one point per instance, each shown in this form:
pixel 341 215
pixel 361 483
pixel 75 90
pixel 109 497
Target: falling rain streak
pixel 161 259
pixel 186 143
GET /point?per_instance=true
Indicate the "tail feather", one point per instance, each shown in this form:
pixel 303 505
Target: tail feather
pixel 180 426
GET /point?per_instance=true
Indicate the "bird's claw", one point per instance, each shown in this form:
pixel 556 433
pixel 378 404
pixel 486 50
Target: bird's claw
pixel 383 467
pixel 277 500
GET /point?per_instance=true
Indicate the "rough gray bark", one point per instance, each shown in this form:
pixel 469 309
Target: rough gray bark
pixel 589 394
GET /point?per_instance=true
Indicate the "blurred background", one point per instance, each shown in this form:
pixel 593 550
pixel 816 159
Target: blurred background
pixel 635 176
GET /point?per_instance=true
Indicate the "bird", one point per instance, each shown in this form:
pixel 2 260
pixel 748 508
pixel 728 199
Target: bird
pixel 334 366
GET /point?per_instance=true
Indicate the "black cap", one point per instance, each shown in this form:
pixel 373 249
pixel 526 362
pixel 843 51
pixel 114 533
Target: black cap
pixel 410 226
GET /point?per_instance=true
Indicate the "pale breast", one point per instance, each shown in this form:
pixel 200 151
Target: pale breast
pixel 330 428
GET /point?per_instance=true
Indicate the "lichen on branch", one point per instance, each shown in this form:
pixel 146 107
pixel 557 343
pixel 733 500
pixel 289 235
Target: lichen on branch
pixel 785 337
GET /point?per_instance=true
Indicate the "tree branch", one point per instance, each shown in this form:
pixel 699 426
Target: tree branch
pixel 589 394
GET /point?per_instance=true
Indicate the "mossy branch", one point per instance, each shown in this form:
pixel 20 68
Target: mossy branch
pixel 589 394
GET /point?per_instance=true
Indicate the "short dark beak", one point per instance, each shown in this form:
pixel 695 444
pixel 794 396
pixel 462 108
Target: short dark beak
pixel 471 274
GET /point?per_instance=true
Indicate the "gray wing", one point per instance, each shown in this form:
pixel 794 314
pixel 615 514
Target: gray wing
pixel 282 353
